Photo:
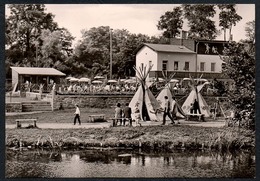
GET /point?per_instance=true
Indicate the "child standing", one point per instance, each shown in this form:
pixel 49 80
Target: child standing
pixel 137 117
pixel 118 113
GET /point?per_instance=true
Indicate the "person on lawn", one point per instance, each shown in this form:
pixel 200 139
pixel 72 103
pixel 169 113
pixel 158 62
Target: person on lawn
pixel 118 113
pixel 166 110
pixel 127 114
pixel 77 115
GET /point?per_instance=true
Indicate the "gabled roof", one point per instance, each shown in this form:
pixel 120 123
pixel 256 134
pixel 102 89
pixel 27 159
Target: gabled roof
pixel 37 71
pixel 168 48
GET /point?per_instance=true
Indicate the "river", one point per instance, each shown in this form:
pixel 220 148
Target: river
pixel 122 163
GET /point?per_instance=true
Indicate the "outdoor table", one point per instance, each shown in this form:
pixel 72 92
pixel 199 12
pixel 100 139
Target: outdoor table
pixel 200 116
pixel 94 116
pixel 19 125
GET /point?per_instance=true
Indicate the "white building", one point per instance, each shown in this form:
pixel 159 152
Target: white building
pixel 196 58
pixel 167 58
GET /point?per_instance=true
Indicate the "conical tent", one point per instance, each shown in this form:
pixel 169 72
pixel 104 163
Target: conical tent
pixel 167 91
pixel 195 94
pixel 143 99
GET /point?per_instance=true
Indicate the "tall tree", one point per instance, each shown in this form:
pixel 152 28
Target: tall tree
pixel 24 26
pixel 29 33
pixel 240 67
pixel 228 18
pixel 171 22
pixel 199 21
pixel 250 31
pixel 94 48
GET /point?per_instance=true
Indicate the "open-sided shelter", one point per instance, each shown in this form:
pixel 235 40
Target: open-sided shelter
pixel 35 75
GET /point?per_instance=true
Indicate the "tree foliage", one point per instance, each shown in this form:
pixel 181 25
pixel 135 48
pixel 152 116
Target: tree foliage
pixel 199 21
pixel 34 39
pixel 171 22
pixel 228 18
pixel 93 51
pixel 240 67
pixel 250 31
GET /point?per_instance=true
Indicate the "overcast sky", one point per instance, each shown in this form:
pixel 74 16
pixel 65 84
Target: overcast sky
pixel 136 18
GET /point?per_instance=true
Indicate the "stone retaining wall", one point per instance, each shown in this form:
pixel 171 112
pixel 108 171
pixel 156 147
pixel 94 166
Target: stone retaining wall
pixel 13 107
pixel 104 101
pixel 97 101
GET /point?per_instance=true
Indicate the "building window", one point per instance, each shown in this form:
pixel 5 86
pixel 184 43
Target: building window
pixel 176 65
pixel 164 65
pixel 150 63
pixel 187 66
pixel 202 66
pixel 213 65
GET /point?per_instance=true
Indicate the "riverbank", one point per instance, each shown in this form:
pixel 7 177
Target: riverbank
pixel 147 137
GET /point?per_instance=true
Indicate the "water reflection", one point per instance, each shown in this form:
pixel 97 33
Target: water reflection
pixel 129 163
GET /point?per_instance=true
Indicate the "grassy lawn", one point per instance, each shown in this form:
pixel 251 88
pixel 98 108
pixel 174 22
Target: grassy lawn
pixel 62 116
pixel 150 136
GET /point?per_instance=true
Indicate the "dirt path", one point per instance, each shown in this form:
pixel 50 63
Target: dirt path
pixel 217 123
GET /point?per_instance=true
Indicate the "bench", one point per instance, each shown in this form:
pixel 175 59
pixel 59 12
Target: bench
pixel 114 124
pixel 200 116
pixel 93 117
pixel 19 121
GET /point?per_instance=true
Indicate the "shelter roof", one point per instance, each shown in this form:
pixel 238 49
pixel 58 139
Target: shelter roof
pixel 168 48
pixel 37 71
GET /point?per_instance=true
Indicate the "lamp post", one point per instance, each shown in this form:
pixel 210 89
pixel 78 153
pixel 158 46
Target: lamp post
pixel 110 31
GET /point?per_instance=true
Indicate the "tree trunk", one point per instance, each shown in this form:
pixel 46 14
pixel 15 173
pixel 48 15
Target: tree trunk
pixel 27 44
pixel 230 28
pixel 225 33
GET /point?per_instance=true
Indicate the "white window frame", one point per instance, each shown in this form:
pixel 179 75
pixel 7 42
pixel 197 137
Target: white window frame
pixel 213 67
pixel 202 63
pixel 187 68
pixel 175 63
pixel 164 62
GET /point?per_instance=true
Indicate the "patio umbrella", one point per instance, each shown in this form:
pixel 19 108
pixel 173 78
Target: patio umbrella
pixel 201 80
pixel 174 80
pixel 74 80
pixel 97 82
pixel 130 81
pixel 68 78
pixel 99 77
pixel 84 79
pixel 160 79
pixel 111 81
pixel 207 83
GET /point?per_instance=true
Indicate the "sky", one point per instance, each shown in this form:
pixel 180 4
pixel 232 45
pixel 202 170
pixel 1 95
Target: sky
pixel 136 18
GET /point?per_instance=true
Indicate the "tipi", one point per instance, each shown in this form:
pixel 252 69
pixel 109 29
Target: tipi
pixel 195 94
pixel 143 99
pixel 167 91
